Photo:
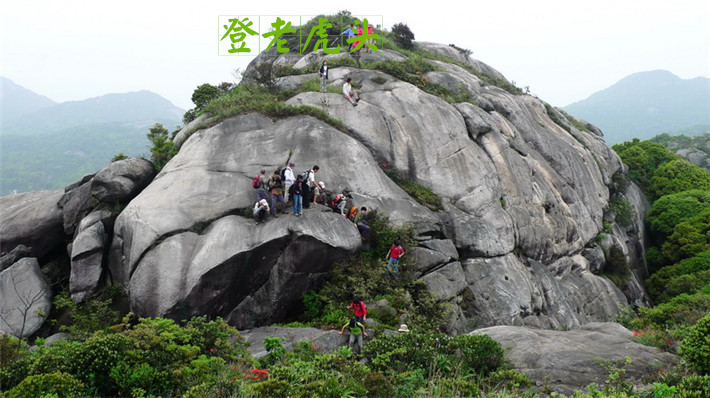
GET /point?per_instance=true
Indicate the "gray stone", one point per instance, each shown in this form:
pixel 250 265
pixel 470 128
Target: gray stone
pixel 25 298
pixel 427 259
pixel 32 219
pixel 87 255
pixel 122 180
pixel 19 252
pixel 563 294
pixel 76 204
pixel 569 360
pixel 446 281
pixel 443 246
pixel 55 337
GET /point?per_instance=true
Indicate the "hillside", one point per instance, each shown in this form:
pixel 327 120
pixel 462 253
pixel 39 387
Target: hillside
pixel 18 101
pixel 645 104
pixel 77 138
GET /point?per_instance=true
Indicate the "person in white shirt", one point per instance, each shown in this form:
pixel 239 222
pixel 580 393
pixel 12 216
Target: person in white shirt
pixel 290 178
pixel 350 93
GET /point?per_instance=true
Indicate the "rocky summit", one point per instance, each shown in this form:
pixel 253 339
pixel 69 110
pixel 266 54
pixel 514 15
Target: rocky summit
pixel 517 240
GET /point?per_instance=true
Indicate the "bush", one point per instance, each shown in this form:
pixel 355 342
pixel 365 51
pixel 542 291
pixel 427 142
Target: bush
pixel 678 176
pixel 670 210
pixel 623 210
pixel 686 276
pixel 695 347
pixel 688 238
pixel 58 383
pixel 461 355
pixel 163 148
pixel 419 192
pixel 403 36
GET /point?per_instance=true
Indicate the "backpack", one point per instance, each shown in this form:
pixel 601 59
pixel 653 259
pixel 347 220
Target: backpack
pixel 305 175
pixel 352 213
pixel 256 182
pixel 336 201
pixel 283 174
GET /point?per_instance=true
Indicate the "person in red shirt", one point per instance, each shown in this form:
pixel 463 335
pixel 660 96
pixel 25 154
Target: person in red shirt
pixel 393 255
pixel 360 309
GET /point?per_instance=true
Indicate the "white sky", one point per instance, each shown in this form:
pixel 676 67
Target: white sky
pixel 565 50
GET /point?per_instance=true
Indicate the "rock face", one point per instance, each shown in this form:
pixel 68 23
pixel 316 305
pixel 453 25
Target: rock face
pixel 566 359
pixel 32 219
pixel 25 298
pixel 524 194
pixel 322 340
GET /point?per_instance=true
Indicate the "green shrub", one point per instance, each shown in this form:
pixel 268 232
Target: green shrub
pixel 61 384
pixel 163 148
pixel 422 194
pixel 689 238
pixel 694 387
pixel 695 347
pixel 677 314
pixel 92 315
pixel 670 210
pixel 678 176
pixel 623 210
pixel 119 156
pixel 414 351
pixel 643 159
pixel 379 80
pixel 659 284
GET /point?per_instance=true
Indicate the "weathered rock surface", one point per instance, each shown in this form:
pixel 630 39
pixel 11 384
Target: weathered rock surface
pixel 87 254
pixel 122 180
pixel 25 298
pixel 566 360
pixel 32 219
pixel 19 252
pixel 322 340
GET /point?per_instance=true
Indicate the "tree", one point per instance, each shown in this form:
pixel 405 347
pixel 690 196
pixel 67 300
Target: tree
pixel 670 210
pixel 695 348
pixel 203 94
pixel 163 148
pixel 403 36
pixel 677 176
pixel 688 238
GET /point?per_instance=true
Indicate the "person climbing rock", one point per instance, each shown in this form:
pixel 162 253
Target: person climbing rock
pixel 350 93
pixel 309 179
pixel 296 192
pixel 261 209
pixel 361 222
pixel 262 191
pixel 393 255
pixel 357 330
pixel 276 186
pixel 360 309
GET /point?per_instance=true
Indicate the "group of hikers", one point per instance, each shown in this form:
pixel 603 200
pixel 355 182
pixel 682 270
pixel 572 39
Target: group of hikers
pixel 356 325
pixel 302 190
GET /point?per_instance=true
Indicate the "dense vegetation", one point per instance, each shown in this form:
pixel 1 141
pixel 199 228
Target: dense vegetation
pixel 678 255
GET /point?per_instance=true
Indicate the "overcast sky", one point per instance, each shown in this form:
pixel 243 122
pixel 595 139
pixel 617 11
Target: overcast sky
pixel 565 50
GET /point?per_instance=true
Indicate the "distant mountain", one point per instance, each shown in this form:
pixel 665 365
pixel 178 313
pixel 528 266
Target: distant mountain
pixel 16 101
pixel 645 104
pixel 55 146
pixel 135 107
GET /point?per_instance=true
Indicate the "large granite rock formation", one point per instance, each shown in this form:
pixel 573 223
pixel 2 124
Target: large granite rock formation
pixel 571 360
pixel 524 194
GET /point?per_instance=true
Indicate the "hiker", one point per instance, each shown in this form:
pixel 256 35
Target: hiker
pixel 318 191
pixel 351 33
pixel 393 255
pixel 260 183
pixel 356 331
pixel 276 187
pixel 361 222
pixel 296 192
pixel 288 179
pixel 261 209
pixel 346 207
pixel 350 93
pixel 355 43
pixel 310 184
pixel 360 309
pixel 323 72
pixel 368 41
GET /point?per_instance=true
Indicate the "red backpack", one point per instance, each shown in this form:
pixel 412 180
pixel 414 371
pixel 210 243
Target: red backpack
pixel 256 182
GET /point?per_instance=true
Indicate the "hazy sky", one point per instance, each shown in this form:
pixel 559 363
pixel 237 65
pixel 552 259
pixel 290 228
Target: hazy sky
pixel 564 50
